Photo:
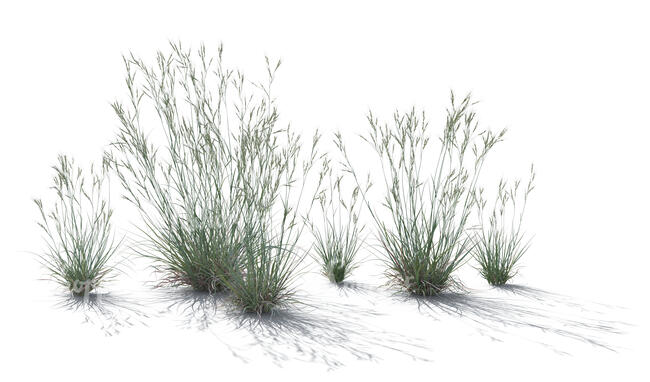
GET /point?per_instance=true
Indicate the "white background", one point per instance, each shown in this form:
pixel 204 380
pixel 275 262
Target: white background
pixel 569 79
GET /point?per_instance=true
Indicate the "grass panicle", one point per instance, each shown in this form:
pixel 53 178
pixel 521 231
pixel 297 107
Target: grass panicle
pixel 78 232
pixel 338 239
pixel 428 195
pixel 500 244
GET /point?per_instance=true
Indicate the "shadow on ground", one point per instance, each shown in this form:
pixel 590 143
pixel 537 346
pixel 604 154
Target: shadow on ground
pixel 350 288
pixel 331 334
pixel 553 299
pixel 512 308
pixel 109 312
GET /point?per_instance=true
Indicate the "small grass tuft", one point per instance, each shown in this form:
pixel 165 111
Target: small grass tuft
pixel 78 232
pixel 338 239
pixel 500 244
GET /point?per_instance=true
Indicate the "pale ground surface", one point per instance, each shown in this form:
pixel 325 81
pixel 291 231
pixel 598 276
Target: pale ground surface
pixel 569 79
pixel 361 327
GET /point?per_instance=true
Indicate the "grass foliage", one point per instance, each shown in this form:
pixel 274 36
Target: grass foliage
pixel 219 185
pixel 428 195
pixel 78 232
pixel 184 189
pixel 219 197
pixel 274 179
pixel 501 243
pixel 338 237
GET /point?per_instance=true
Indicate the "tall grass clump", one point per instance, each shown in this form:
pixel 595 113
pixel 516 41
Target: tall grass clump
pixel 219 195
pixel 500 244
pixel 77 228
pixel 428 196
pixel 185 184
pixel 338 237
pixel 274 181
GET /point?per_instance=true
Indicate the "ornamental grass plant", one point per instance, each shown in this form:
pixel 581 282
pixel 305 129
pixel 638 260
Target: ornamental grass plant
pixel 220 196
pixel 274 184
pixel 77 228
pixel 185 187
pixel 428 194
pixel 500 244
pixel 337 239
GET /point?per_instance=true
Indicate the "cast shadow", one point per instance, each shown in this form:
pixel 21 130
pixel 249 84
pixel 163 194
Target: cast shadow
pixel 553 299
pixel 109 312
pixel 331 334
pixel 349 288
pixel 197 310
pixel 554 316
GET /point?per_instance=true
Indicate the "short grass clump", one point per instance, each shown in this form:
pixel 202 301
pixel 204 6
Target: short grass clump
pixel 500 244
pixel 338 238
pixel 78 232
pixel 428 196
